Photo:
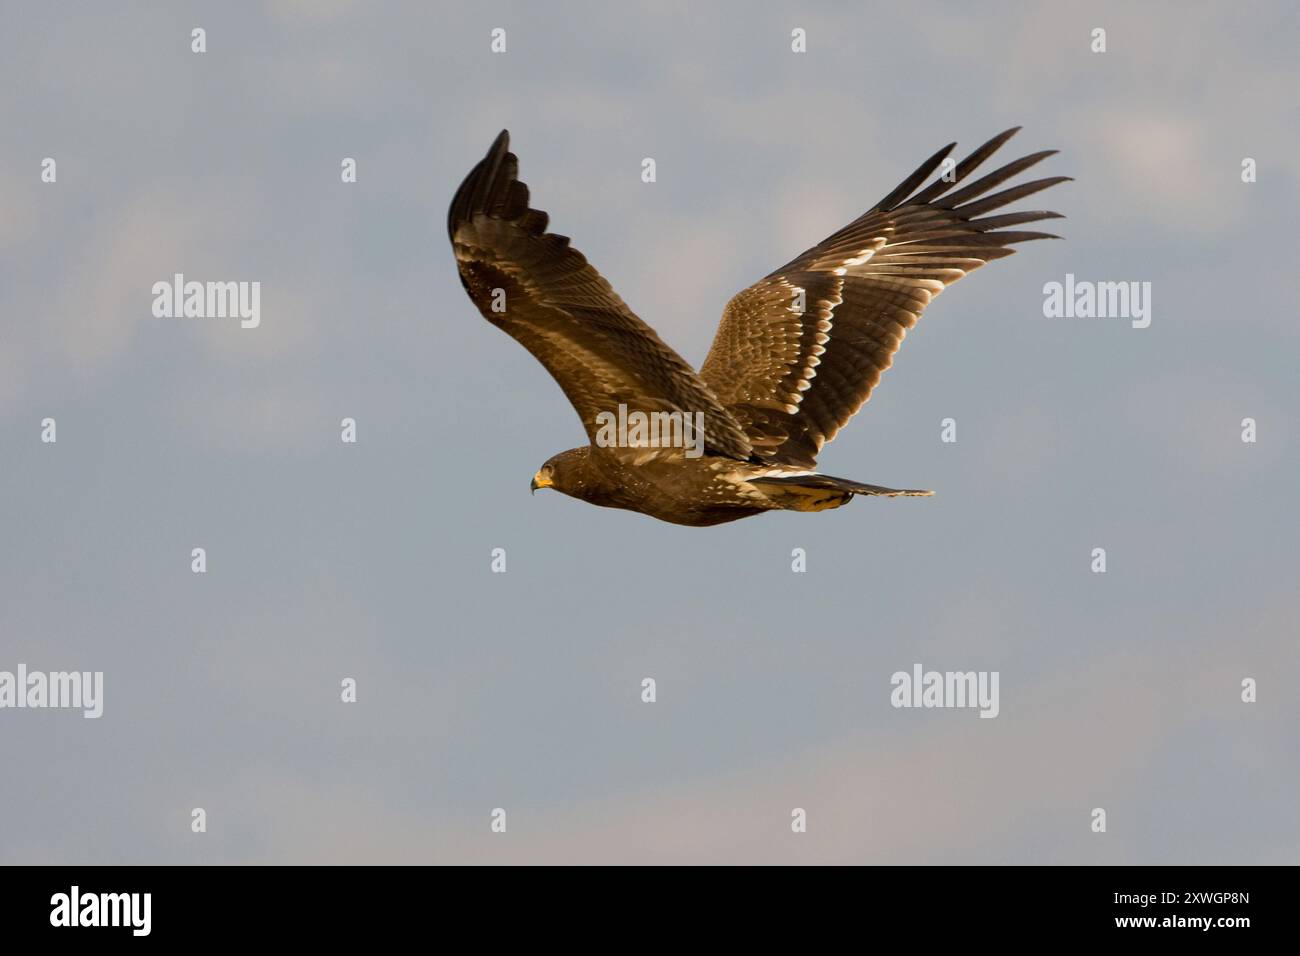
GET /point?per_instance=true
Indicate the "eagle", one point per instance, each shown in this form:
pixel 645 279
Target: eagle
pixel 795 355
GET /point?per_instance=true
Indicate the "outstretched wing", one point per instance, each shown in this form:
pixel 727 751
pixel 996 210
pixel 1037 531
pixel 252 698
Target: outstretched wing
pixel 535 286
pixel 798 352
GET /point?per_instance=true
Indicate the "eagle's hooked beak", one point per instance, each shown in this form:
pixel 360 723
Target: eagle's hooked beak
pixel 539 481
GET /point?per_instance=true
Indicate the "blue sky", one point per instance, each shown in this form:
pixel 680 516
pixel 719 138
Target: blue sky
pixel 522 690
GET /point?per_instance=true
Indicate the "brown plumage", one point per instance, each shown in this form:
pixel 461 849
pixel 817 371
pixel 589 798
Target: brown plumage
pixel 794 358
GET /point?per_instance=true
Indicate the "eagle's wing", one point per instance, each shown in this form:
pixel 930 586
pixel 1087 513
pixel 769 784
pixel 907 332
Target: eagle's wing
pixel 793 378
pixel 560 308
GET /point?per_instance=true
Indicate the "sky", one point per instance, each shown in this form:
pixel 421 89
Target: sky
pixel 522 691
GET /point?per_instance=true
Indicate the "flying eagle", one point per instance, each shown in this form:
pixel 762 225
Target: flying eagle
pixel 794 358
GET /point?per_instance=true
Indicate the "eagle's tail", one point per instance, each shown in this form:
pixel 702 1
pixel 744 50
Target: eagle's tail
pixel 819 492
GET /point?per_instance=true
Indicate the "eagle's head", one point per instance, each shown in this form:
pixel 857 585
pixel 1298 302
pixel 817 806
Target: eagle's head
pixel 569 472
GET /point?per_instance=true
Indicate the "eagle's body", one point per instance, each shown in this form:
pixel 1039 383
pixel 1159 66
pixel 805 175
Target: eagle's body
pixel 709 490
pixel 796 354
pixel 663 483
